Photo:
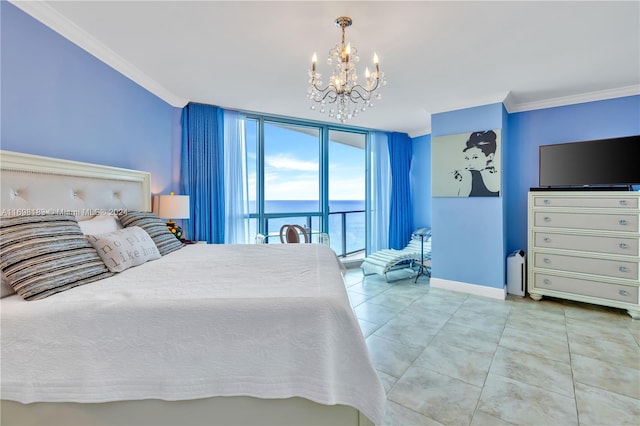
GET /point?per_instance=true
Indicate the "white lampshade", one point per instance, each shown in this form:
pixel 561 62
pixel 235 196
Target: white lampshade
pixel 173 206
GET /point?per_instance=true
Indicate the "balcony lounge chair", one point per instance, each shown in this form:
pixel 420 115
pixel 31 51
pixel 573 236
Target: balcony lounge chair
pixel 383 261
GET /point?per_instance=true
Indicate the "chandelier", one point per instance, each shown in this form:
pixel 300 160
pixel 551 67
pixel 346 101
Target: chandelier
pixel 343 96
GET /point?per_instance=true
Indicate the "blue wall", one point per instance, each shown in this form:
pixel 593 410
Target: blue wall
pixel 421 181
pixel 468 232
pixel 59 101
pixel 525 132
pixel 528 130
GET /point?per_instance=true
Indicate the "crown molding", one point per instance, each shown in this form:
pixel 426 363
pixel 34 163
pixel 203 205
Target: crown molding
pixel 420 132
pixel 492 98
pixel 512 107
pixel 48 16
pixel 509 103
pixel 600 95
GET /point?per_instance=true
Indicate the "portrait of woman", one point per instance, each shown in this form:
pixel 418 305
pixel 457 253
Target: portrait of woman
pixel 479 178
pixel 466 165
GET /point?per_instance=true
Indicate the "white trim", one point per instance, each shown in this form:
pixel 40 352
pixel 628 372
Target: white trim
pixel 512 106
pixel 509 103
pixel 489 99
pixel 478 290
pixel 600 95
pixel 63 26
pixel 420 132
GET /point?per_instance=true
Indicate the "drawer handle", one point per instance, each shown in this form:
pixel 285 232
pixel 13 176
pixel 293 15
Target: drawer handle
pixel 623 202
pixel 547 239
pixel 547 201
pixel 623 246
pixel 547 219
pixel 546 260
pixel 623 292
pixel 547 281
pixel 623 222
pixel 623 269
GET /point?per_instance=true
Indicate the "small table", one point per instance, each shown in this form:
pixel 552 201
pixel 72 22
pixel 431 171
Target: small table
pixel 424 263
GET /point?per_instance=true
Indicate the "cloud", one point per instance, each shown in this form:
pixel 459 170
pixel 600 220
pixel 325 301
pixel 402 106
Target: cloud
pixel 288 162
pixel 347 189
pixel 278 187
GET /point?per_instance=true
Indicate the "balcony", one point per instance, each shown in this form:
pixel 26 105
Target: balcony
pixel 347 232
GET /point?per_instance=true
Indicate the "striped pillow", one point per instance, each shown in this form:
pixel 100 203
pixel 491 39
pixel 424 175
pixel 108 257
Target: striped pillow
pixel 45 254
pixel 156 228
pixel 5 287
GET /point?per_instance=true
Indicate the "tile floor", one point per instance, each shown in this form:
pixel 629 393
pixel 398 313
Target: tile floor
pixel 449 358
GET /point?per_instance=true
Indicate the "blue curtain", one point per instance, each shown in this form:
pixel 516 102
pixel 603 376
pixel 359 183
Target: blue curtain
pixel 235 180
pixel 401 207
pixel 379 192
pixel 202 171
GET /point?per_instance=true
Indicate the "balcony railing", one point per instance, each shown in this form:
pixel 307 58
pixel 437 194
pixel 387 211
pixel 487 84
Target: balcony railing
pixel 346 230
pixel 351 234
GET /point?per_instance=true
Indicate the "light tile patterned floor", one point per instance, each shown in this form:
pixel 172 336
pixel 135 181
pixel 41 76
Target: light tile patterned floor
pixel 448 358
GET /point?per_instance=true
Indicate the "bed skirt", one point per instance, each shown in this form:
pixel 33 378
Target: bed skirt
pixel 228 411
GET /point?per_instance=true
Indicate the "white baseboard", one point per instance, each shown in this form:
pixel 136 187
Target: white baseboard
pixel 478 290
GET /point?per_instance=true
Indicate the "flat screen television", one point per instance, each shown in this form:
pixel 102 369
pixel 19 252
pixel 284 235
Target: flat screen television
pixel 593 164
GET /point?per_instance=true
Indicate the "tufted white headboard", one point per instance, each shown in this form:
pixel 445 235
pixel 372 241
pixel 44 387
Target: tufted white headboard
pixel 32 184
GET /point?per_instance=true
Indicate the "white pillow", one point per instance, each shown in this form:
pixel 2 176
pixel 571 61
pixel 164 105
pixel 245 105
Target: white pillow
pixel 100 225
pixel 124 248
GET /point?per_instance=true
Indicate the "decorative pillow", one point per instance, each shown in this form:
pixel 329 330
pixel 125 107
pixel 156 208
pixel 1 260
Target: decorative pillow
pixel 5 287
pixel 100 225
pixel 156 228
pixel 124 248
pixel 42 255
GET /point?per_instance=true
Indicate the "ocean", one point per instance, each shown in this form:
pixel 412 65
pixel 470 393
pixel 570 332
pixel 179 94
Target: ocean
pixel 355 226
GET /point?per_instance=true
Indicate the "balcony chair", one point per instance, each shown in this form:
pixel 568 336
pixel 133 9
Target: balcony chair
pixel 293 234
pixel 385 260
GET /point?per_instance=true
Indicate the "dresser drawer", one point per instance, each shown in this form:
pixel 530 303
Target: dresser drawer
pixel 612 245
pixel 587 265
pixel 619 292
pixel 590 202
pixel 595 221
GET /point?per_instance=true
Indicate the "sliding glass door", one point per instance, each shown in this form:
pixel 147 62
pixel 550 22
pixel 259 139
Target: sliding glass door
pixel 291 172
pixel 310 175
pixel 347 191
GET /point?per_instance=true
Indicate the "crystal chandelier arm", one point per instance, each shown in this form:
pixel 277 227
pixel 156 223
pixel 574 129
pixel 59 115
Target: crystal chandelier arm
pixel 360 92
pixel 329 95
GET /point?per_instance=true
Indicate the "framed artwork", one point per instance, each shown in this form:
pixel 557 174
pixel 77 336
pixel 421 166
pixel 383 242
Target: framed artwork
pixel 466 165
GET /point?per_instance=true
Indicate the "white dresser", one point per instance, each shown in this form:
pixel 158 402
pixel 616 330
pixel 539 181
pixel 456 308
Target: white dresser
pixel 585 246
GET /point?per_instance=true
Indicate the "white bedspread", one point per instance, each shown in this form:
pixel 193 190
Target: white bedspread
pixel 269 321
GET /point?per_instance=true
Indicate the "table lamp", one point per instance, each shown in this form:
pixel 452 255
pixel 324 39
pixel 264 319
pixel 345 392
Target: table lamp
pixel 173 207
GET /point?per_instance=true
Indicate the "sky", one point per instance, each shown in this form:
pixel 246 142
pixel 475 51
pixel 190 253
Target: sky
pixel 292 166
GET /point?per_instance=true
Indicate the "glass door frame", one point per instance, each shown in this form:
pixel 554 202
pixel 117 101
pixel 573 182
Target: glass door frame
pixel 324 160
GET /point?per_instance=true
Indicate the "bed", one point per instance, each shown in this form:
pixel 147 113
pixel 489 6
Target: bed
pixel 206 334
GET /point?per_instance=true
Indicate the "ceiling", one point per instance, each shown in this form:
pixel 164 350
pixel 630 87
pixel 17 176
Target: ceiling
pixel 437 56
